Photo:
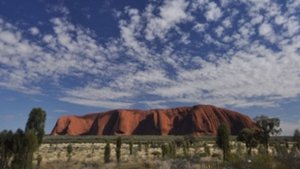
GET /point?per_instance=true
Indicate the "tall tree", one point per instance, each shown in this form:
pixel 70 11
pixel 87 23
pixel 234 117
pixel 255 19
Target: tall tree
pixel 107 153
pixel 25 144
pixel 250 137
pixel 69 151
pixel 36 123
pixel 6 148
pixel 118 149
pixel 222 139
pixel 268 127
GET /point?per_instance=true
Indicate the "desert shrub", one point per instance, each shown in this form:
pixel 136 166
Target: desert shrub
pixel 107 153
pixel 39 159
pixel 222 139
pixel 165 151
pixel 288 160
pixel 185 148
pixel 262 150
pixel 180 164
pixel 172 150
pixel 156 153
pixel 118 149
pixel 280 150
pixel 259 161
pixel 58 155
pixel 140 146
pixel 147 164
pixel 207 149
pixel 235 161
pixel 130 148
pixel 216 155
pixel 69 151
pixel 147 149
pixel 262 161
pixel 93 148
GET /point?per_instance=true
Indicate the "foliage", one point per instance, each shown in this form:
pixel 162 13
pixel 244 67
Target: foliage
pixel 165 151
pixel 36 123
pixel 6 148
pixel 207 149
pixel 250 137
pixel 222 139
pixel 259 161
pixel 107 153
pixel 185 148
pixel 140 146
pixel 172 150
pixel 17 149
pixel 118 149
pixel 39 159
pixel 130 148
pixel 69 151
pixel 268 127
pixel 147 149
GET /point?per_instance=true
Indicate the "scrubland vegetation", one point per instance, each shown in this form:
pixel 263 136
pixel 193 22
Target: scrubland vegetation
pixel 179 152
pixel 251 149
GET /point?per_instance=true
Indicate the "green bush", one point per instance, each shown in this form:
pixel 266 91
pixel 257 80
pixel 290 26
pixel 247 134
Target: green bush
pixel 130 148
pixel 69 151
pixel 165 151
pixel 118 149
pixel 107 153
pixel 39 159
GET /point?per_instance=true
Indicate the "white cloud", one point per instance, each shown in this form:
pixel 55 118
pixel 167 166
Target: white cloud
pixel 213 12
pixel 266 30
pixel 171 14
pixel 247 79
pixel 219 31
pixel 96 103
pixel 199 27
pixel 97 93
pixel 34 30
pixel 280 20
pixel 9 37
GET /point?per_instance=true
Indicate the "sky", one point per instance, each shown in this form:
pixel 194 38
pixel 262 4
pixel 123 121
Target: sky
pixel 77 57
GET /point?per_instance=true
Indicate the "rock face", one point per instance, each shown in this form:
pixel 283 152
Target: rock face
pixel 196 120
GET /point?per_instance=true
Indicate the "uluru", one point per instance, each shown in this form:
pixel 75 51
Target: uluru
pixel 195 120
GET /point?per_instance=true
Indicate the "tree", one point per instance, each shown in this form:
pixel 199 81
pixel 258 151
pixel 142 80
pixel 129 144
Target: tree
pixel 249 137
pixel 6 148
pixel 268 127
pixel 147 149
pixel 39 159
pixel 130 148
pixel 296 138
pixel 222 139
pixel 69 151
pixel 118 149
pixel 36 122
pixel 165 150
pixel 107 152
pixel 25 144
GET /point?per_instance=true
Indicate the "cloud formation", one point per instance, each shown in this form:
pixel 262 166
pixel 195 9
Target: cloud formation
pixel 176 51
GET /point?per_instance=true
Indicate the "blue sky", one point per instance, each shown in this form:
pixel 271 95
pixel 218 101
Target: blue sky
pixel 75 57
